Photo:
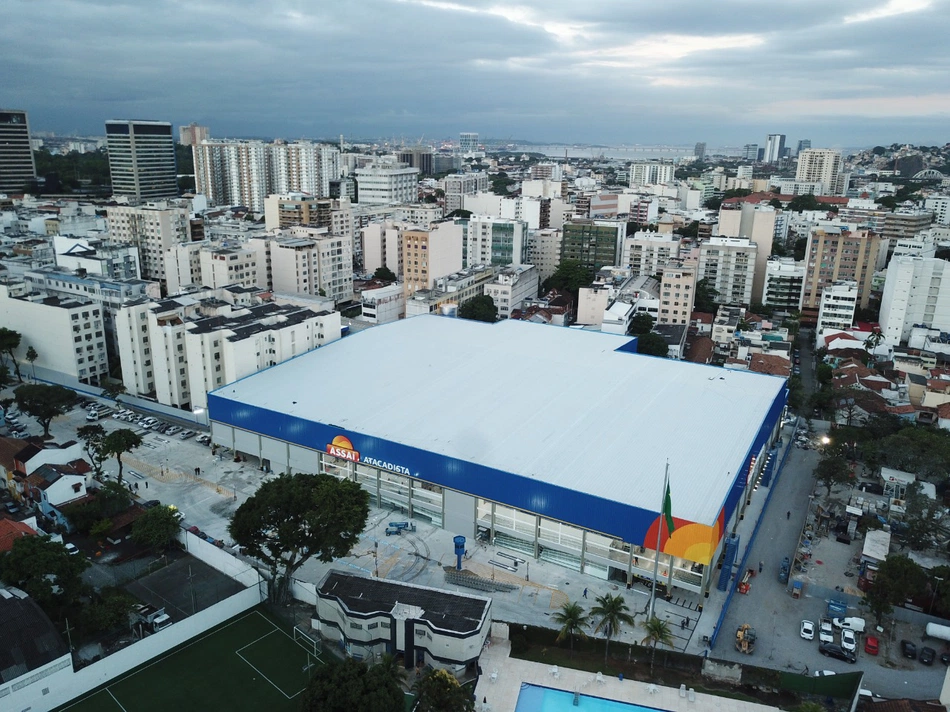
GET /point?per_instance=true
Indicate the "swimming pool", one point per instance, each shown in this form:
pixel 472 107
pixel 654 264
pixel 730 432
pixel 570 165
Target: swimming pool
pixel 533 698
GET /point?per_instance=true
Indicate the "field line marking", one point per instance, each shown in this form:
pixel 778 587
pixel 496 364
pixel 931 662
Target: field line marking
pixel 116 701
pixel 238 651
pixel 168 654
pixel 262 675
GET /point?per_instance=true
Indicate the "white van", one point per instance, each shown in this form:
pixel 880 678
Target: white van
pixel 855 624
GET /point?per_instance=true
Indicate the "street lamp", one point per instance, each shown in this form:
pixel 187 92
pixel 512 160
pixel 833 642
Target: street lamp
pixel 933 596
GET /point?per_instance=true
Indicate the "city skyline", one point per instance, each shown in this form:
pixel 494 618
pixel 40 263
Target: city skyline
pixel 599 73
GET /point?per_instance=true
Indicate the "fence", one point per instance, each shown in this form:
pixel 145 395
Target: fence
pixel 219 559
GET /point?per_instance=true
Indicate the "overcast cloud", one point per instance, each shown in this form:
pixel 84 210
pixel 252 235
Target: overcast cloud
pixel 841 72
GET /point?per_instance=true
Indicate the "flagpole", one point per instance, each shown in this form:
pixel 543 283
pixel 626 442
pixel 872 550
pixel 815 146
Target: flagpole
pixel 656 553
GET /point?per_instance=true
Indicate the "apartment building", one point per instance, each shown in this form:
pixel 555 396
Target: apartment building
pixel 305 260
pixel 97 256
pixel 756 222
pixel 646 252
pixel 916 292
pixel 290 209
pixel 67 334
pixel 677 292
pixel 224 266
pixel 544 251
pixel 387 184
pixel 838 303
pixel 838 253
pixel 904 223
pixel 535 212
pixel 496 241
pixel 923 244
pixel 939 205
pixel 193 134
pixel 152 229
pixel 142 160
pixel 593 243
pixel 650 173
pixel 382 246
pixel 728 264
pixel 429 254
pixel 237 172
pixel 821 165
pixel 450 291
pixel 864 213
pixel 511 286
pixel 458 185
pixel 784 278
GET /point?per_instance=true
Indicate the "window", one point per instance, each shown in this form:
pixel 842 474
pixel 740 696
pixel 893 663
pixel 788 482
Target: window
pixel 356 626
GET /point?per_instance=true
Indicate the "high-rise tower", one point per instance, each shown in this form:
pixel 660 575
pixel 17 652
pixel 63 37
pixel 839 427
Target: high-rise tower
pixel 16 155
pixel 142 159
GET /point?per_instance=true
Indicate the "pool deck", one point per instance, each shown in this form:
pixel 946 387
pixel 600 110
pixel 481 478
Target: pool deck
pixel 502 692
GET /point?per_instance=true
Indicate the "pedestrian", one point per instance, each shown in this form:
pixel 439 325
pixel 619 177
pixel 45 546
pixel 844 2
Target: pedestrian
pixel 761 566
pixel 683 624
pixel 788 515
pixel 806 670
pixel 146 484
pixel 585 593
pixel 687 621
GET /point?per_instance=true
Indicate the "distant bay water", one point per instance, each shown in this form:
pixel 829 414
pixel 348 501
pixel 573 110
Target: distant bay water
pixel 622 152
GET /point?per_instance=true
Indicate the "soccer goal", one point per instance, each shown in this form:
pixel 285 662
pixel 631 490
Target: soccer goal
pixel 313 644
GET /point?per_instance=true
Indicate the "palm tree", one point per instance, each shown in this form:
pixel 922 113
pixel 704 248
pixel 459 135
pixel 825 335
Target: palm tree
pixel 657 632
pixel 572 620
pixel 612 612
pixel 31 356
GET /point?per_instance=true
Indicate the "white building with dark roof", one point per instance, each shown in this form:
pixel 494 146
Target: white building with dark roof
pixel 556 474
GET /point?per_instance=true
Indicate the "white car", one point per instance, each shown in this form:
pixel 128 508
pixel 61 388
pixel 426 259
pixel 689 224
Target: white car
pixel 823 673
pixel 826 633
pixel 71 548
pixel 808 630
pixel 848 641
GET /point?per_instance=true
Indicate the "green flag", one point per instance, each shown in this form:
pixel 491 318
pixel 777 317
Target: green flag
pixel 668 510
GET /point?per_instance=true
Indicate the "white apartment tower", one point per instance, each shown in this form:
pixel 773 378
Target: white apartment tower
pixel 382 246
pixel 494 241
pixel 838 303
pixel 511 286
pixel 677 292
pixel 544 251
pixel 916 291
pixel 468 142
pixel 784 278
pixel 650 173
pixel 756 222
pixel 820 165
pixel 461 184
pixel 645 253
pixel 728 264
pixel 302 260
pixel 387 184
pixel 152 229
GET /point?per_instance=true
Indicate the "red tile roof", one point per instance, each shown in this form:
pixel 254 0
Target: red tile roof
pixel 700 349
pixel 943 411
pixel 765 197
pixel 770 364
pixel 10 531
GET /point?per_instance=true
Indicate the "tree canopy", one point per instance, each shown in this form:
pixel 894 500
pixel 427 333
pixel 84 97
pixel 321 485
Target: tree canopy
pixel 704 299
pixel 898 578
pixel 9 343
pixel 157 528
pixel 570 275
pixel 46 571
pixel 93 437
pixel 348 685
pixel 439 691
pixel 44 402
pixel 119 442
pixel 385 274
pixel 832 471
pixel 652 345
pixel 642 323
pixel 611 612
pixel 480 308
pixel 293 518
pixel 806 201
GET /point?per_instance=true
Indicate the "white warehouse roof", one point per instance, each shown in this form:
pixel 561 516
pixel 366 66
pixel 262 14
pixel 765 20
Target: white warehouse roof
pixel 561 405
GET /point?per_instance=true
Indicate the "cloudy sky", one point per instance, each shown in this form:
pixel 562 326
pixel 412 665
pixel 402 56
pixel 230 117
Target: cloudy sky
pixel 841 72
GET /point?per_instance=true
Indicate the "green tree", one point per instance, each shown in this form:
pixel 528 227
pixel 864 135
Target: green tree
pixel 44 402
pixel 833 471
pixel 652 345
pixel 801 244
pixel 761 309
pixel 824 374
pixel 385 274
pixel 93 438
pixel 439 691
pixel 31 356
pixel 691 230
pixel 806 201
pixel 776 203
pixel 9 343
pixel 657 632
pixel 796 393
pixel 570 275
pixel 480 308
pixel 924 518
pixel 898 578
pixel 642 323
pixel 113 389
pixel 100 528
pixel 293 518
pixel 157 528
pixel 112 498
pixel 713 203
pixel 348 685
pixel 572 618
pixel 119 442
pixel 46 571
pixel 704 299
pixel 611 612
pixel 106 611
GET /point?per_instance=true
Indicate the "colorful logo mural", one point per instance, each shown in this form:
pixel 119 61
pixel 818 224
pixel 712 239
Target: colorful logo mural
pixel 691 541
pixel 342 447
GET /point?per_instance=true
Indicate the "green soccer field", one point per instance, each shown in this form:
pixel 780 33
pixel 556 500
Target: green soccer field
pixel 248 664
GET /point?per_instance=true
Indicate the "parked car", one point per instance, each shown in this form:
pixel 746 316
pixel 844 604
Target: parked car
pixel 848 641
pixel 174 429
pixel 71 548
pixel 148 504
pixel 823 673
pixel 871 645
pixel 808 630
pixel 185 434
pixel 825 632
pixel 927 655
pixel 945 658
pixel 851 623
pixel 11 507
pixel 833 650
pixel 908 649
